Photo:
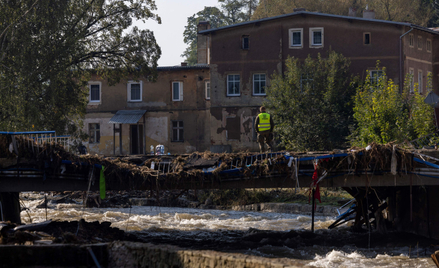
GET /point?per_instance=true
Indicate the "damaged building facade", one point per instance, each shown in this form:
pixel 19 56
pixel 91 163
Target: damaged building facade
pixel 244 56
pixel 133 115
pixel 222 93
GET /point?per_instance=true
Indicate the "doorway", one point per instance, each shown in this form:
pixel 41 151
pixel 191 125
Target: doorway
pixel 136 137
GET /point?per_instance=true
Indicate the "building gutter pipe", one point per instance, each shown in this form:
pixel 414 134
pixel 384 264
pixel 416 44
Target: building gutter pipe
pixel 401 76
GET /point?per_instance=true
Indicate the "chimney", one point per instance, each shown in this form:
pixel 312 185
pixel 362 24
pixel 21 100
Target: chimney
pixel 368 14
pixel 352 12
pixel 299 9
pixel 184 64
pixel 203 43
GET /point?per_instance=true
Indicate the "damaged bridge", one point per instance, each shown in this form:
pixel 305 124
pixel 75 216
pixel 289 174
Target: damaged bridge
pixel 393 187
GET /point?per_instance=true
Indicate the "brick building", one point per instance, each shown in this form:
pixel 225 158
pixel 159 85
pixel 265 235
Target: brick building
pixel 212 106
pixel 243 57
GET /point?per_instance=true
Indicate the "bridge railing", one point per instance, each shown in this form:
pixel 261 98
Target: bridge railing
pixel 236 164
pixel 428 141
pixel 39 137
pixel 61 140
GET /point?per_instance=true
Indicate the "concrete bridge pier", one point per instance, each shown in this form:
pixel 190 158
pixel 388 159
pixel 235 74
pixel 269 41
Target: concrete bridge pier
pixel 10 207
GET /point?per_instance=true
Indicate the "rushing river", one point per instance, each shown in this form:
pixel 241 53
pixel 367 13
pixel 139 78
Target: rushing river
pixel 191 225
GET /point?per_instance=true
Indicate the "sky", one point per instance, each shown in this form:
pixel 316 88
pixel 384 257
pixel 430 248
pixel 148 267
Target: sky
pixel 169 34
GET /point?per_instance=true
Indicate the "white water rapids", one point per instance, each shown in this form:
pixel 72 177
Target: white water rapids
pixel 171 223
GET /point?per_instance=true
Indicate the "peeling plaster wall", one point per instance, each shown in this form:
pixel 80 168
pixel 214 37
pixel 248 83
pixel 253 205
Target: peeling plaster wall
pixel 229 123
pixel 161 110
pixel 269 48
pixel 105 146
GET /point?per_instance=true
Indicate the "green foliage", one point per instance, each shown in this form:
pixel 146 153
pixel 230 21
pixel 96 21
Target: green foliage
pixel 231 12
pixel 49 49
pixel 414 11
pixel 384 115
pixel 234 197
pixel 434 20
pixel 211 14
pixel 237 11
pixel 312 102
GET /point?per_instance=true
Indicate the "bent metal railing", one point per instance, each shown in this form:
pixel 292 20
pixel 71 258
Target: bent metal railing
pixel 34 138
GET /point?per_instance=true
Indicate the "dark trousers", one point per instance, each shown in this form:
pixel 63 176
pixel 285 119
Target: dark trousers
pixel 265 137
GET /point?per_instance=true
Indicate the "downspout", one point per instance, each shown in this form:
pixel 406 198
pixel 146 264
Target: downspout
pixel 281 51
pixel 401 77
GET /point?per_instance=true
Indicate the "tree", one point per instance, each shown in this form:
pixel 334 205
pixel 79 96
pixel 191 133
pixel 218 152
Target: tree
pixel 211 14
pixel 434 20
pixel 231 12
pixel 49 49
pixel 415 11
pixel 384 115
pixel 236 11
pixel 311 102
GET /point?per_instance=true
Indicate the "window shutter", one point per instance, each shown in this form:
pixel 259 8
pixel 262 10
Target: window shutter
pixel 181 90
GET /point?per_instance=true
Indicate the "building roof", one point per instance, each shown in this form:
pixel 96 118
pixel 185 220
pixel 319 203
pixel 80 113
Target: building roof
pixel 319 14
pixel 127 117
pixel 178 67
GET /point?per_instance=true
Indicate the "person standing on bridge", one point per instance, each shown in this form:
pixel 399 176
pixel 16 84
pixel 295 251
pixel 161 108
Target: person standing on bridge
pixel 264 127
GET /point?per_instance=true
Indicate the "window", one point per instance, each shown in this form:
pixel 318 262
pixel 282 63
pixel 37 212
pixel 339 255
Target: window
pixel 177 91
pixel 375 76
pixel 207 86
pixel 419 42
pixel 233 81
pixel 316 37
pixel 94 133
pixel 306 80
pixel 245 42
pixel 177 131
pixel 135 90
pixel 259 84
pixel 420 81
pixel 95 92
pixel 428 45
pixel 233 127
pixel 366 38
pixel 296 38
pixel 412 79
pixel 411 41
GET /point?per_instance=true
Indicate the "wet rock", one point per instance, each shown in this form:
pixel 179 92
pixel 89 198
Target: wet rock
pixel 271 241
pixel 21 237
pixel 208 202
pixel 291 234
pixel 307 235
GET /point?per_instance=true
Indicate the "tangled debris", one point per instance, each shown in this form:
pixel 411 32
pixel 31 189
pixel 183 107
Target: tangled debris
pixel 61 232
pixel 148 171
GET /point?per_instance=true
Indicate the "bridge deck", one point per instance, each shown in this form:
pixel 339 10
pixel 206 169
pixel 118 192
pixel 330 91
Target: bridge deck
pixel 50 168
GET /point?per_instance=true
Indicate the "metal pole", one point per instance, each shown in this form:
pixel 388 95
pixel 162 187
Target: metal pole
pixel 138 139
pixel 144 134
pixel 114 139
pixel 120 138
pixel 401 74
pixel 1 211
pixel 313 208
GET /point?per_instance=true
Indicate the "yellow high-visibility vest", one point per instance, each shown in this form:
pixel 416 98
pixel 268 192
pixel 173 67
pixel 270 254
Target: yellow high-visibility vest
pixel 264 122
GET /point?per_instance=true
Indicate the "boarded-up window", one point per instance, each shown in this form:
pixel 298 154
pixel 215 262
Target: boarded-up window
pixel 233 128
pixel 94 132
pixel 177 131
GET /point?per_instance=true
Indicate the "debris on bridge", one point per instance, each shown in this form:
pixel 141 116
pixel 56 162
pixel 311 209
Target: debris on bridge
pixel 368 174
pixel 199 169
